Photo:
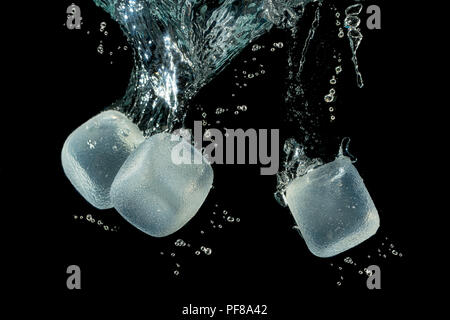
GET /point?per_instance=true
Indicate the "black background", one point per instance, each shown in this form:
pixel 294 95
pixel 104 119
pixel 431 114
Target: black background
pixel 261 260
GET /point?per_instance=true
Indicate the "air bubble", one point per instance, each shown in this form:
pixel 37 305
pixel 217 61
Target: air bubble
pixel 329 98
pixel 256 47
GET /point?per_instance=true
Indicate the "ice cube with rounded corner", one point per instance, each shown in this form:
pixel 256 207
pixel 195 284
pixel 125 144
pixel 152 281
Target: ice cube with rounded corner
pixel 93 154
pixel 156 191
pixel 332 207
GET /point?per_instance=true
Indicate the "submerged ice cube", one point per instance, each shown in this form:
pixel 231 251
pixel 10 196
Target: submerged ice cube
pixel 93 154
pixel 332 208
pixel 156 194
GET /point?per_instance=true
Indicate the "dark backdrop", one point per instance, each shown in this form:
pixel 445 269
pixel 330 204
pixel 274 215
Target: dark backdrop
pixel 261 259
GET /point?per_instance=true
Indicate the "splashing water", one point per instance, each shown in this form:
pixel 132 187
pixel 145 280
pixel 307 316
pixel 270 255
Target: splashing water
pixel 179 46
pixel 355 36
pixel 296 164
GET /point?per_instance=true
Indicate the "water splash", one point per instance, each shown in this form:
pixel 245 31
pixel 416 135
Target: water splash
pixel 294 164
pixel 311 33
pixel 344 150
pixel 179 46
pixel 355 36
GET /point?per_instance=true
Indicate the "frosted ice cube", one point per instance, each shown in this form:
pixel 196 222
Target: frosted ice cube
pixel 332 208
pixel 93 154
pixel 154 193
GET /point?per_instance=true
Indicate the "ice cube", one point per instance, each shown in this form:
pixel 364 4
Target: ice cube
pixel 155 192
pixel 332 208
pixel 93 154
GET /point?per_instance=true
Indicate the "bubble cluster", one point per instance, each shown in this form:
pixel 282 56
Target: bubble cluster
pixel 359 266
pixel 183 248
pixel 98 222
